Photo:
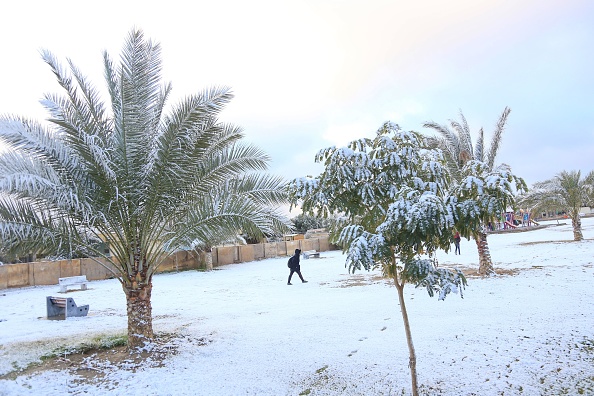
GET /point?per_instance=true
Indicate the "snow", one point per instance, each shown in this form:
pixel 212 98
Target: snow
pixel 530 333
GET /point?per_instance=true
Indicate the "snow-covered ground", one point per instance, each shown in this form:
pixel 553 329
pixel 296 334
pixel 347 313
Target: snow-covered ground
pixel 527 334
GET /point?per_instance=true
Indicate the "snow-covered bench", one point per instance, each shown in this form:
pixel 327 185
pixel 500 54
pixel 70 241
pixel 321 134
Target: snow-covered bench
pixel 73 281
pixel 58 306
pixel 310 253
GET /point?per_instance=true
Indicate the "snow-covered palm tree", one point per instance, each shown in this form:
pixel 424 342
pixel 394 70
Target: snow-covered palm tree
pixel 455 141
pixel 567 191
pixel 143 178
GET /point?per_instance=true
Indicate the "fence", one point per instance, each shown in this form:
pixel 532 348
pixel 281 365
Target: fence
pixel 48 272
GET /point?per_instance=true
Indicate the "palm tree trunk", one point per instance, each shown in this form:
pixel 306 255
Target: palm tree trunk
pixel 140 316
pixel 576 222
pixel 208 260
pixel 412 360
pixel 485 263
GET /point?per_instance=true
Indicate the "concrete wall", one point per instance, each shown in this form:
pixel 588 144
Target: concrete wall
pixel 3 277
pixel 48 272
pixel 310 244
pixel 18 275
pixel 270 250
pixel 246 253
pixel 259 251
pixel 95 269
pixel 225 255
pixel 292 245
pixel 180 261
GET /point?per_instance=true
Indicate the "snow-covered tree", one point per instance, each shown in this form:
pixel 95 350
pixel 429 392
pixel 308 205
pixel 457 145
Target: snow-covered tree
pixel 127 173
pixel 482 194
pixel 302 223
pixel 461 158
pixel 567 191
pixel 393 191
pixel 456 142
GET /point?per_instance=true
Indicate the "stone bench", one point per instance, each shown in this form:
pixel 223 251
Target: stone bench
pixel 73 281
pixel 310 253
pixel 64 306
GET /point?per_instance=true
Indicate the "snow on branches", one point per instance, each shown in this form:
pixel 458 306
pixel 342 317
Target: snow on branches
pixel 400 200
pixel 484 193
pixel 392 189
pixel 424 273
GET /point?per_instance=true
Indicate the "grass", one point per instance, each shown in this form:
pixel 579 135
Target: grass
pixel 98 343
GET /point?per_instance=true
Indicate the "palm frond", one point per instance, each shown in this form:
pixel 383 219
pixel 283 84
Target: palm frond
pixel 30 137
pixel 82 120
pixel 567 191
pixel 238 159
pixel 128 173
pixel 223 217
pixel 450 137
pixel 29 225
pixel 464 135
pixel 479 153
pixel 141 95
pixel 113 86
pixel 496 139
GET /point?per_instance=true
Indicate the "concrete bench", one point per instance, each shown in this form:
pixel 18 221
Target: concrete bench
pixel 64 306
pixel 310 253
pixel 73 281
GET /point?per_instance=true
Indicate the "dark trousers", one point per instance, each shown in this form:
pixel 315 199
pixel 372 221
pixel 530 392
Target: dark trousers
pixel 457 244
pixel 298 271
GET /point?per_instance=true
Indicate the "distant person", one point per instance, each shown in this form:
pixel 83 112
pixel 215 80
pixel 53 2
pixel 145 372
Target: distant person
pixel 295 267
pixel 457 242
pixel 526 219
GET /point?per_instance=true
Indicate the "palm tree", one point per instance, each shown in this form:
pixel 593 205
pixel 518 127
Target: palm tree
pixel 127 173
pixel 456 143
pixel 567 191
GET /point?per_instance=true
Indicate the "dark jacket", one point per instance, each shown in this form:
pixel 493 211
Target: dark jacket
pixel 294 260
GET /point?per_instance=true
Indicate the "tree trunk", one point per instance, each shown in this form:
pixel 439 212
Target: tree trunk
pixel 485 263
pixel 412 359
pixel 140 315
pixel 576 222
pixel 208 260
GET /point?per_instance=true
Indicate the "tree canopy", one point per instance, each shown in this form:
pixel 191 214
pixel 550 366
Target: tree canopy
pixel 145 178
pixel 567 191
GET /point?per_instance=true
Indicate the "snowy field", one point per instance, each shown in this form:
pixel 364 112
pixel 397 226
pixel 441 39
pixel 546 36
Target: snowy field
pixel 243 331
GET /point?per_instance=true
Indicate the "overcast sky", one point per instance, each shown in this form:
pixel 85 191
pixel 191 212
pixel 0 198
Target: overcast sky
pixel 311 74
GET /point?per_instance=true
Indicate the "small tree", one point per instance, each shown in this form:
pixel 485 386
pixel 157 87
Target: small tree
pixel 392 190
pixel 567 191
pixel 303 222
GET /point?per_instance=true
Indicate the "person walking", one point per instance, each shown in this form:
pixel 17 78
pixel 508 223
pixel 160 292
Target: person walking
pixel 295 267
pixel 457 242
